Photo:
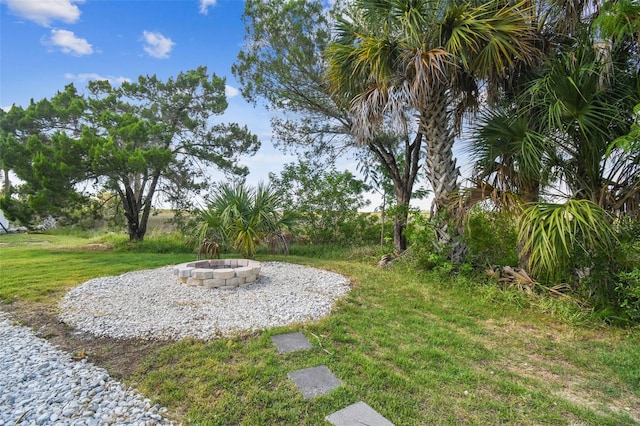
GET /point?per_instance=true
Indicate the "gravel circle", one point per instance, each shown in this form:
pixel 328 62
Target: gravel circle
pixel 41 385
pixel 150 304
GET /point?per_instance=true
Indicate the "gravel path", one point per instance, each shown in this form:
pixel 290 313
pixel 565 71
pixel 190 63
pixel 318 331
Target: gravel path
pixel 40 385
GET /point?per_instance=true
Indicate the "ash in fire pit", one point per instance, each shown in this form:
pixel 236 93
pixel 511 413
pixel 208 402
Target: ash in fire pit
pixel 218 273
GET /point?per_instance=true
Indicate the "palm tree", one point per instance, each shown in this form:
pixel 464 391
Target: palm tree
pixel 243 216
pixel 582 104
pixel 559 137
pixel 551 233
pixel 433 60
pixel 509 158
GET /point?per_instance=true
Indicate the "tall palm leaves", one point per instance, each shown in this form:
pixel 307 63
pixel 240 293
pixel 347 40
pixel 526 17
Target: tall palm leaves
pixel 582 105
pixel 567 119
pixel 399 58
pixel 243 216
pixel 509 156
pixel 553 232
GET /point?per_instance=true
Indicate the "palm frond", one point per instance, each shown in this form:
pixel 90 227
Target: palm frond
pixel 550 233
pixel 243 216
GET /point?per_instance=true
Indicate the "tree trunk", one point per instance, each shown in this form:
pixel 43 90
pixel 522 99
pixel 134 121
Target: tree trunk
pixel 131 213
pixel 7 182
pixel 400 218
pixel 383 218
pixel 137 206
pixel 442 173
pixel 403 177
pixel 399 239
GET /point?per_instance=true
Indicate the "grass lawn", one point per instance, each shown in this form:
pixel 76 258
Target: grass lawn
pixel 418 349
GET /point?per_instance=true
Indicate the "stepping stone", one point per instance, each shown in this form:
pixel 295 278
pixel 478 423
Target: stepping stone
pixel 358 414
pixel 291 342
pixel 314 381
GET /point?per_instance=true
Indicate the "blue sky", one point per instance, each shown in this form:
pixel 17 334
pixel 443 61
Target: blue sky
pixel 46 44
pixel 49 43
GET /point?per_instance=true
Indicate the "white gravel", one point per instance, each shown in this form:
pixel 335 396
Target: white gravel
pixel 150 304
pixel 40 385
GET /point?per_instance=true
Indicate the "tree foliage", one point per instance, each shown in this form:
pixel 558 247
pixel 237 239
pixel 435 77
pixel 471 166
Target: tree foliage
pixel 282 64
pixel 398 59
pixel 327 201
pixel 551 233
pixel 136 141
pixel 564 143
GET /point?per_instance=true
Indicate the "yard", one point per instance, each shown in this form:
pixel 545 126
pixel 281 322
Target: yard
pixel 417 347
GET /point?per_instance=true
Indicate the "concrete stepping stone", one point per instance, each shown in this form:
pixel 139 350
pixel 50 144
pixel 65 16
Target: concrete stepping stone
pixel 291 342
pixel 356 415
pixel 314 381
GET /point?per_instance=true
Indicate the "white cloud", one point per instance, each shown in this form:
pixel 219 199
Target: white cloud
pixel 43 12
pixel 157 45
pixel 231 91
pixel 69 43
pixel 84 77
pixel 205 5
pixel 7 108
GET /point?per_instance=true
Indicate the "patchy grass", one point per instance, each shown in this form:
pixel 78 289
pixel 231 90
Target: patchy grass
pixel 417 348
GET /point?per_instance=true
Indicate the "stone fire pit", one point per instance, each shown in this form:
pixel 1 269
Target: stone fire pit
pixel 218 273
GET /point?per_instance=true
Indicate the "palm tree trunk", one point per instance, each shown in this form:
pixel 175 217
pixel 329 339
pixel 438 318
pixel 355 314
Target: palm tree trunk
pixel 442 173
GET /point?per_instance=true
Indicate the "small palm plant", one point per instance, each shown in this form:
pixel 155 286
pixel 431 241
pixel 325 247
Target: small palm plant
pixel 243 216
pixel 551 232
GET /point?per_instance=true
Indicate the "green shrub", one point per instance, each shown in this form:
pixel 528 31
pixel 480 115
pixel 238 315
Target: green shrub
pixel 491 239
pixel 610 280
pixel 243 216
pixel 326 202
pixel 421 237
pixel 628 292
pixel 364 229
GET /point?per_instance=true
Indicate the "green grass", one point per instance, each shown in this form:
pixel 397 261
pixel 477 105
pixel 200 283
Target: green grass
pixel 40 268
pixel 417 347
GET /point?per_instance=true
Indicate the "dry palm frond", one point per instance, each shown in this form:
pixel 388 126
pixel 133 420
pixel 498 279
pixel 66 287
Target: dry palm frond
pixel 209 249
pixel 519 279
pixel 390 258
pixel 502 200
pixel 386 260
pixel 277 240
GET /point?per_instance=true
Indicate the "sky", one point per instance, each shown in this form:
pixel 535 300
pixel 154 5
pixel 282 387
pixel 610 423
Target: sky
pixel 47 44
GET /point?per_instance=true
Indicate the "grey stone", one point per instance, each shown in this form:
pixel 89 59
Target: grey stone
pixel 358 414
pixel 68 412
pixel 291 342
pixel 314 381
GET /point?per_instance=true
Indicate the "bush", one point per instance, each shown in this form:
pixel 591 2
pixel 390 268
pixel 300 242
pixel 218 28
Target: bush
pixel 326 203
pixel 611 280
pixel 421 237
pixel 491 239
pixel 363 229
pixel 628 295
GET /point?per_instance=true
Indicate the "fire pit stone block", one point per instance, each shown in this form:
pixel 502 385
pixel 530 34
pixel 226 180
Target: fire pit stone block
pixel 223 274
